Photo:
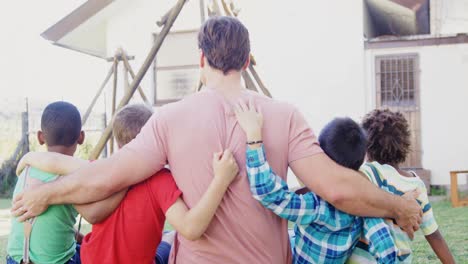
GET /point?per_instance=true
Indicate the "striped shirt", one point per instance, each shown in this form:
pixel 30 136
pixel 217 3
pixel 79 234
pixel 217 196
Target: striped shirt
pixel 389 179
pixel 323 233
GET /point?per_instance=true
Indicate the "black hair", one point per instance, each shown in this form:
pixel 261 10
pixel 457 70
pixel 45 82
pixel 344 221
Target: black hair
pixel 344 141
pixel 61 124
pixel 389 136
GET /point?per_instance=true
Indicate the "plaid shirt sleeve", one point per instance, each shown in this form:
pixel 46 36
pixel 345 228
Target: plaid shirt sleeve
pixel 272 191
pixel 381 244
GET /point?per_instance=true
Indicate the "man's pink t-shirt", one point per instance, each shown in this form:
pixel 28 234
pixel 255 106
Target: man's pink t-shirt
pixel 187 133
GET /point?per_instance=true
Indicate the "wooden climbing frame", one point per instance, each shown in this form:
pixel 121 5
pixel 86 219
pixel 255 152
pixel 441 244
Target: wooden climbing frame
pixel 454 195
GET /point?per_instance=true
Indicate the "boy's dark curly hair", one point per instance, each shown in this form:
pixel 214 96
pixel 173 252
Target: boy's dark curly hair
pixel 388 136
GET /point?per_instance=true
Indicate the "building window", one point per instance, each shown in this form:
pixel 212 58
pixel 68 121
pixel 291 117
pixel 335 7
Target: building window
pixel 397 80
pixel 173 83
pixel 175 69
pixel 397 89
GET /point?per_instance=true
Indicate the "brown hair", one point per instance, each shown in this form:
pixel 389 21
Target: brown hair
pixel 128 122
pixel 225 43
pixel 388 136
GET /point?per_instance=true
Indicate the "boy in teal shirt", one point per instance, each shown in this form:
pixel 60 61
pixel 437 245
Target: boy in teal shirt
pixel 52 238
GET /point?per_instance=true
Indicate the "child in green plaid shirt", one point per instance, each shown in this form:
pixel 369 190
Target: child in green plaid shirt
pixel 323 233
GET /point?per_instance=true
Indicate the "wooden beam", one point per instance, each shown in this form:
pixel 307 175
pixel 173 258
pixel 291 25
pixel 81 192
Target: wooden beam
pixel 199 86
pixel 126 81
pixel 226 8
pixel 164 18
pixel 202 11
pixel 93 102
pixel 259 81
pixel 454 188
pixel 120 57
pixel 141 73
pixel 454 196
pixel 215 8
pixel 249 83
pixel 132 74
pixel 114 101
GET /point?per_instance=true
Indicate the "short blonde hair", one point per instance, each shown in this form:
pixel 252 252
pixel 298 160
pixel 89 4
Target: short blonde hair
pixel 128 122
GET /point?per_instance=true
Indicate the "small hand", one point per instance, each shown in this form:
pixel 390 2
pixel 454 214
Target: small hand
pixel 225 167
pixel 29 204
pixel 410 216
pixel 250 120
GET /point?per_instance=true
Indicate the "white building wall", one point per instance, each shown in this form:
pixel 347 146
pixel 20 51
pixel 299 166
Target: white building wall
pixel 449 17
pixel 444 93
pixel 310 53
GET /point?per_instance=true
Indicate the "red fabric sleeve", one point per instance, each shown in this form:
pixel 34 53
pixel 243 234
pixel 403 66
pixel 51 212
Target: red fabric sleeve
pixel 302 140
pixel 164 189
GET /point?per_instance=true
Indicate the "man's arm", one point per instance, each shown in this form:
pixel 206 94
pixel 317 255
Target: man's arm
pixel 98 211
pixel 193 223
pixel 50 162
pixel 352 193
pixel 438 244
pixel 63 164
pixel 137 161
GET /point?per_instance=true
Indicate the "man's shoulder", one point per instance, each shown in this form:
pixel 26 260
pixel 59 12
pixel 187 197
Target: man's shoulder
pixel 265 100
pixel 189 100
pixel 273 108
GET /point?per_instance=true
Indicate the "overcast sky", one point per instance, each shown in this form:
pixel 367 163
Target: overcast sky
pixel 31 66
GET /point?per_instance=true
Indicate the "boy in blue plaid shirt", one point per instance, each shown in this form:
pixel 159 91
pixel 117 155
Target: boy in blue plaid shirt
pixel 323 234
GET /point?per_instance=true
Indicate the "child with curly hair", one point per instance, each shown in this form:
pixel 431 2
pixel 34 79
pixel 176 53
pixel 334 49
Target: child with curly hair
pixel 388 146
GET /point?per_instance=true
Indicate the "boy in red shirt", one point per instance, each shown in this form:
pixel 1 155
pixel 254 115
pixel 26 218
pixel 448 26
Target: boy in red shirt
pixel 132 232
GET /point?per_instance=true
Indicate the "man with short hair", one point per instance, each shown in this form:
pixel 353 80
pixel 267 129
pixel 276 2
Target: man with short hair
pixel 185 133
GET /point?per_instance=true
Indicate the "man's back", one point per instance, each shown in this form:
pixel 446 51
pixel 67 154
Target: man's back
pixel 188 133
pixel 53 236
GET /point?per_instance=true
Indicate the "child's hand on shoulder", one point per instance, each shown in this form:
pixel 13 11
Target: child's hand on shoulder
pixel 225 167
pixel 250 120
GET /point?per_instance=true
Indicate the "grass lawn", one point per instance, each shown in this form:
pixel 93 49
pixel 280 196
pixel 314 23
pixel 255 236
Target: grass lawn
pixel 453 224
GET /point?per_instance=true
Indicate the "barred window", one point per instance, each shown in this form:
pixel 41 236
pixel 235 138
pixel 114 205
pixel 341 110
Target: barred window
pixel 397 80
